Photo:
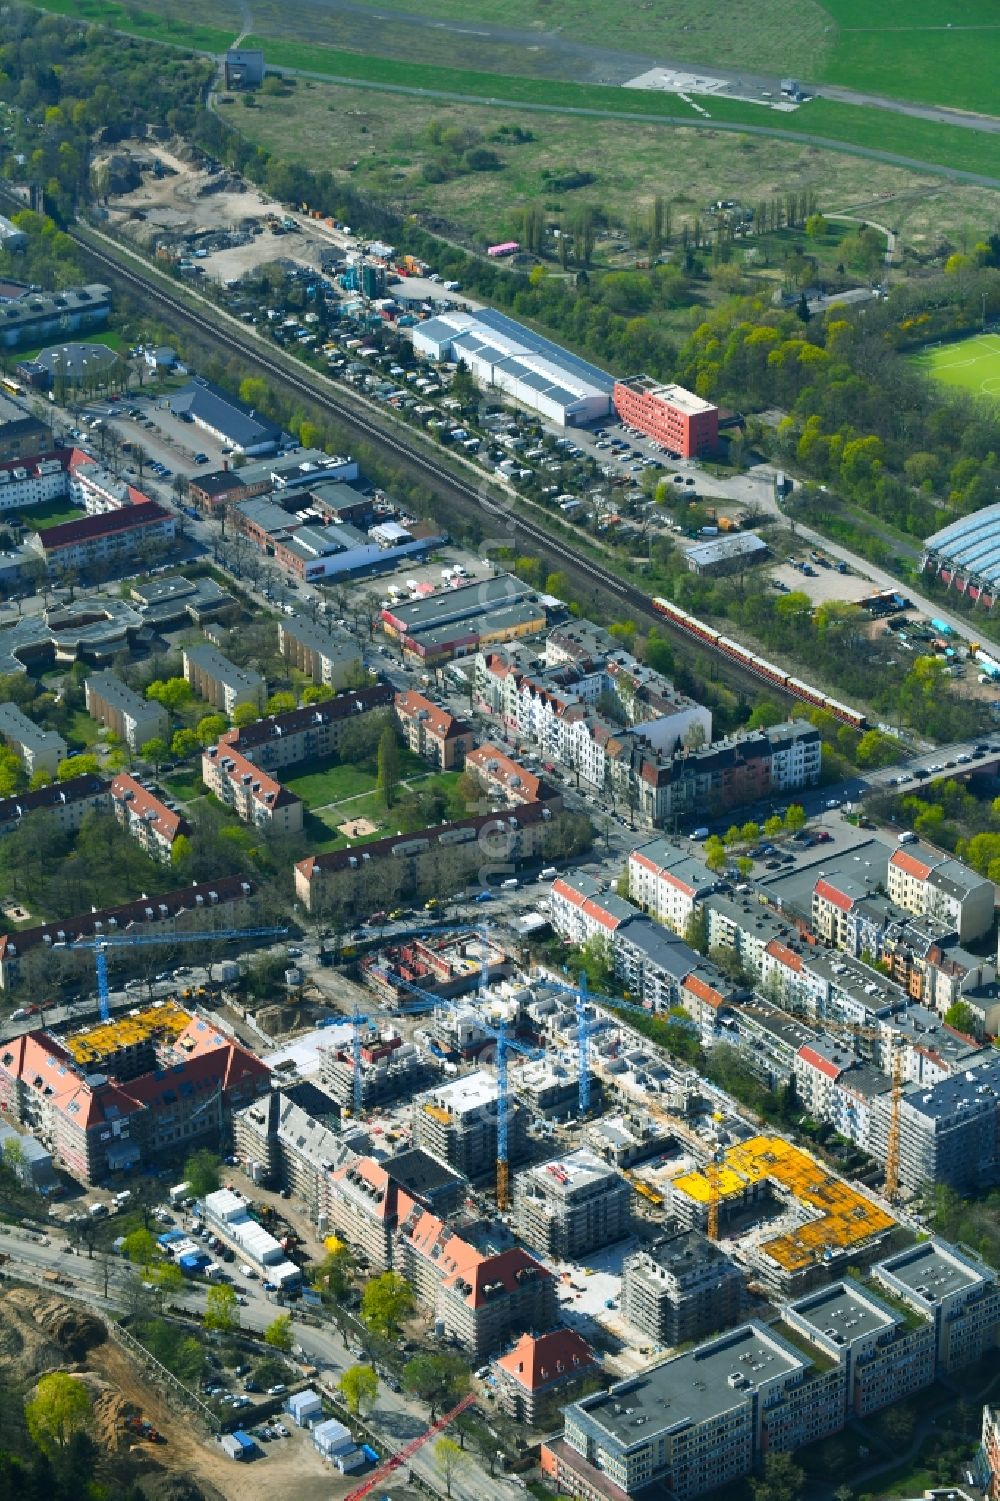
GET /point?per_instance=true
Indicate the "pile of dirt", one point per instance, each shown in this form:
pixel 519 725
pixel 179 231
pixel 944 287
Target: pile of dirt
pixel 117 173
pixel 73 1328
pixel 27 1349
pixel 110 1411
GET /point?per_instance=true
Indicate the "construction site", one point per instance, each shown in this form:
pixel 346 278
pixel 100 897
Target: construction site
pixel 445 965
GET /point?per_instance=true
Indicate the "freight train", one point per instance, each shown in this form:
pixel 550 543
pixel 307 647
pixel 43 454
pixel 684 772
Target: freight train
pixel 759 666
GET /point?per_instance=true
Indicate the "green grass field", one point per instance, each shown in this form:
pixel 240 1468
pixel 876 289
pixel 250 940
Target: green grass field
pixel 970 364
pixel 318 785
pixel 51 513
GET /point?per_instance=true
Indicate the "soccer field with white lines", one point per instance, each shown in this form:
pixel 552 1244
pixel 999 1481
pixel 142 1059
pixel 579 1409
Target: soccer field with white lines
pixel 973 364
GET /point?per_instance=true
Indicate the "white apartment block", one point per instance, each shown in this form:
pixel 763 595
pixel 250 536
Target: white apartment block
pixel 668 883
pixel 933 885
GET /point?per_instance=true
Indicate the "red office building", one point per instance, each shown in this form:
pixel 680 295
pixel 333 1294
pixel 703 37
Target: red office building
pixel 669 415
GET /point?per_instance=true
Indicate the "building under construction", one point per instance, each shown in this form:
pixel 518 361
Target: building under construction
pixel 457 1123
pixel 391 1069
pixel 129 1045
pixel 681 1287
pixel 571 1205
pixel 444 964
pixel 837 1223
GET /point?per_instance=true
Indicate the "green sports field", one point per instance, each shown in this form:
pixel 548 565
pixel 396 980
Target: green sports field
pixel 972 364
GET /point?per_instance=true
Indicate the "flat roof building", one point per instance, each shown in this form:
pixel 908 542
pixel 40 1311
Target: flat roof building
pixel 680 420
pixel 728 554
pixel 227 418
pixel 330 657
pixel 32 317
pixel 571 1205
pixel 457 1123
pixel 957 1294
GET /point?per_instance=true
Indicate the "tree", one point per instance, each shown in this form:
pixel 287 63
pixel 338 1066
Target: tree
pixel 181 851
pixel 280 703
pixel 782 1480
pixel 60 1408
pixel 12 774
pixel 245 714
pixel 201 1171
pixel 184 743
pixel 359 1387
pixel 316 693
pixel 816 226
pixel 695 737
pixel 795 817
pixel 85 764
pixel 221 1308
pixel 715 853
pixel 172 693
pixel 388 765
pixel 447 1459
pixel 773 825
pixel 167 1275
pixel 140 1247
pixel 336 1270
pixel 961 1016
pixel 439 1380
pixel 155 751
pixel 386 1302
pixel 279 1333
pixel 211 727
pixel 765 715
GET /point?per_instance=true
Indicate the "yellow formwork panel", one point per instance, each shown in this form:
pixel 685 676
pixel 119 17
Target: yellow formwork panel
pixel 844 1218
pixel 438 1114
pixel 112 1037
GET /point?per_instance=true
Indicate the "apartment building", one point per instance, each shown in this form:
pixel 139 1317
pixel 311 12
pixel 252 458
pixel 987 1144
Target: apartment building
pixel 391 1069
pixel 40 750
pixel 957 1295
pixel 948 1132
pixel 540 1370
pixel 106 537
pixel 331 658
pixel 697 1422
pixel 680 1287
pixel 135 720
pixel 431 732
pixel 816 1068
pixel 96 1125
pixel 933 885
pixel 254 795
pixel 32 317
pixel 988 1459
pixel 412 867
pixel 885 1356
pixel 669 883
pixel 654 963
pixel 23 433
pixel 68 803
pixel 456 1122
pixel 308 734
pixel 571 1205
pixel 285 1146
pixel 219 681
pixel 146 818
pixel 228 902
pixel 500 776
pixel 581 909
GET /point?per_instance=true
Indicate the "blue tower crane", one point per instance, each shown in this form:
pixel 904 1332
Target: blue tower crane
pixel 104 941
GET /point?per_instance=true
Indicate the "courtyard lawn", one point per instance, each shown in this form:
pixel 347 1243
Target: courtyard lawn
pixel 318 784
pixel 971 364
pixel 50 513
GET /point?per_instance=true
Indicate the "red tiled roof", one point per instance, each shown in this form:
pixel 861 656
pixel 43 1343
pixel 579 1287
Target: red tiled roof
pixel 264 788
pixel 817 1061
pixel 125 789
pixel 705 992
pixel 829 893
pixel 904 861
pixel 413 705
pixel 128 518
pixel 537 1360
pixel 512 776
pixel 508 1269
pixel 786 956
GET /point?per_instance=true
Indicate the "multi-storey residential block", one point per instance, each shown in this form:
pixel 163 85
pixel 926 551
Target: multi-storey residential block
pixel 307 734
pixel 956 1294
pixel 933 885
pixel 432 732
pixel 97 1124
pixel 948 1132
pixel 66 802
pixel 697 1422
pixel 885 1356
pixel 571 1205
pixel 680 1287
pixel 106 536
pixel 231 896
pixel 581 909
pixel 988 1459
pixel 457 1123
pixel 254 795
pixel 146 817
pixel 539 1370
pixel 290 1148
pixel 219 681
pixel 502 777
pixel 133 719
pixel 332 658
pixel 669 883
pixel 40 750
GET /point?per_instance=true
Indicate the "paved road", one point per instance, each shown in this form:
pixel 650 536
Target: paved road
pixel 394 1416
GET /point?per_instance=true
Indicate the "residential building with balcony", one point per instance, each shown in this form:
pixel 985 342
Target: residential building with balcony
pixel 146 818
pixel 133 719
pixel 680 1287
pixel 432 732
pixel 220 682
pixel 40 750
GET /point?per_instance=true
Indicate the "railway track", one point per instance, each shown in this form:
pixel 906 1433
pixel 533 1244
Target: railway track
pixel 468 498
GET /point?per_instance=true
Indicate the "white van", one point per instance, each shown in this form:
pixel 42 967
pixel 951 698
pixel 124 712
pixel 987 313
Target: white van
pixel 509 885
pixel 248 1272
